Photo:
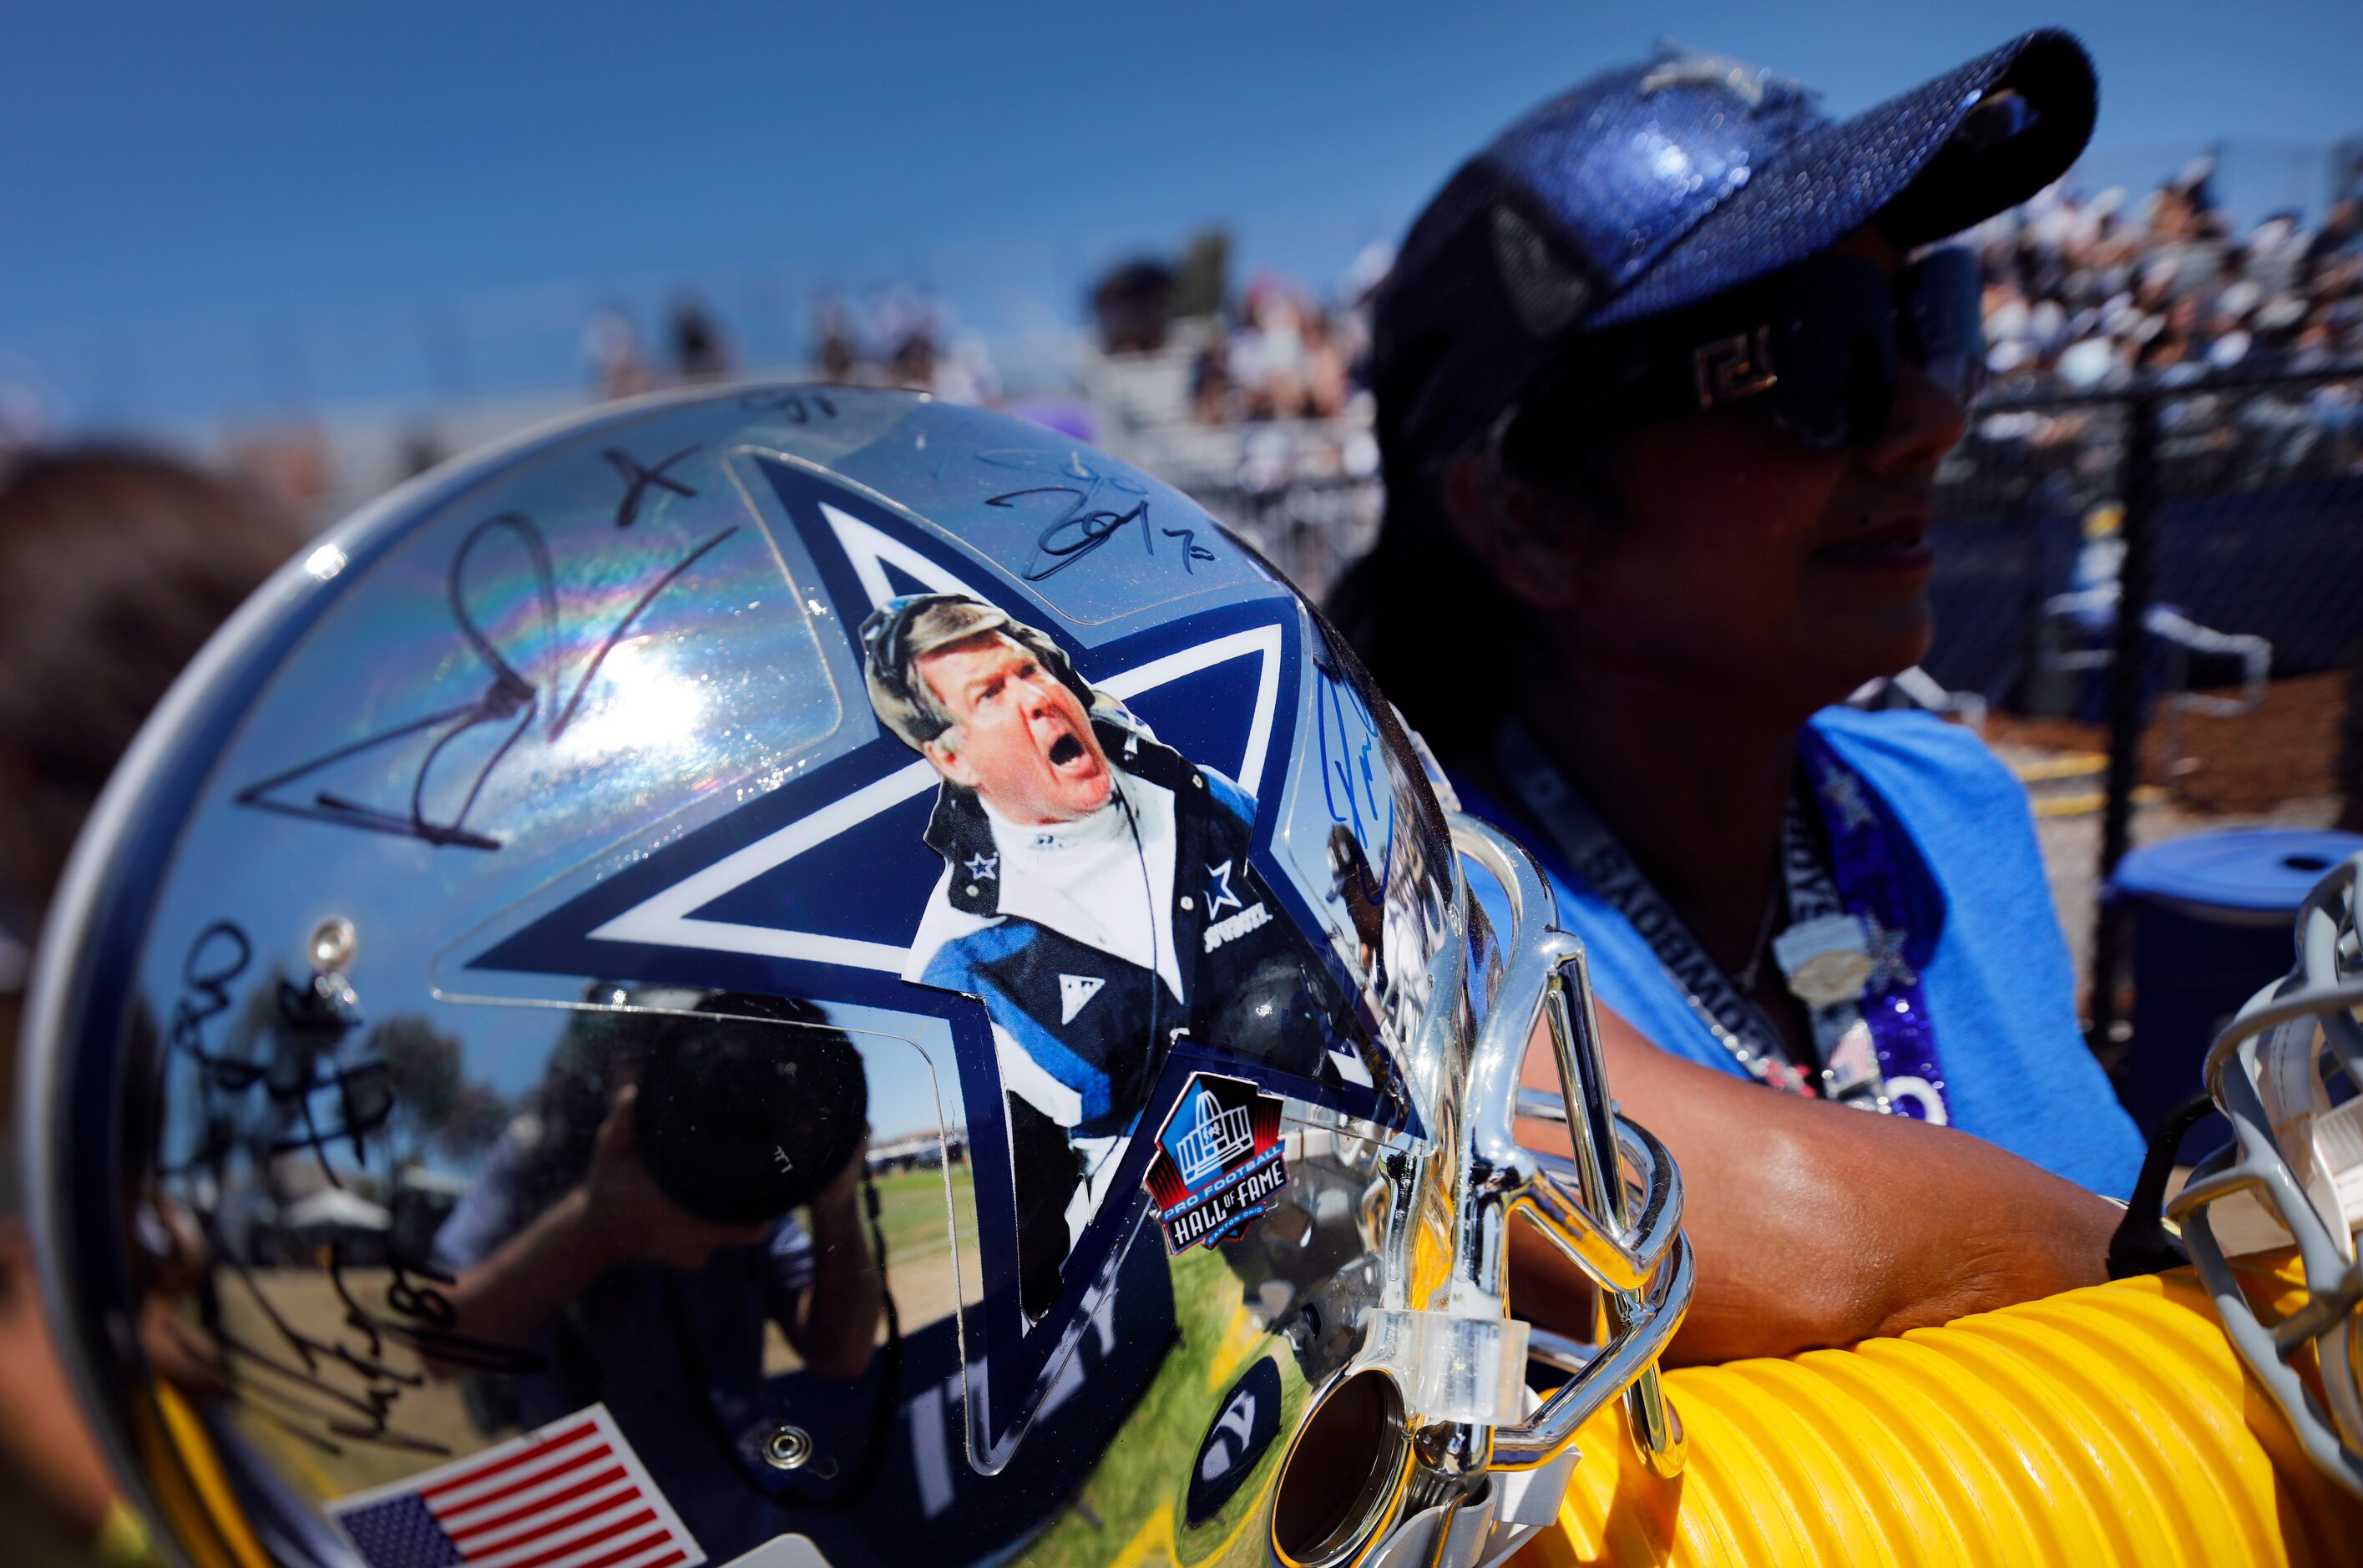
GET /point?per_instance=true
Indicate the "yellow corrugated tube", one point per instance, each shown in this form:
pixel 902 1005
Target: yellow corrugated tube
pixel 2105 1426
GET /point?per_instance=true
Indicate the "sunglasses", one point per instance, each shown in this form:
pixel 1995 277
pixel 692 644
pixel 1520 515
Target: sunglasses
pixel 1817 348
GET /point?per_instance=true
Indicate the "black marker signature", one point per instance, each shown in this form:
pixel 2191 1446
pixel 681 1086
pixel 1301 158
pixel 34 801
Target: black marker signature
pixel 285 1380
pixel 1351 784
pixel 638 479
pixel 411 1291
pixel 1088 521
pixel 355 1120
pixel 220 954
pixel 509 697
pixel 291 1081
pixel 314 1023
pixel 297 1388
pixel 289 1381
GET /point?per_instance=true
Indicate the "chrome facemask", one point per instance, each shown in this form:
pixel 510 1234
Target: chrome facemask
pixel 1472 1466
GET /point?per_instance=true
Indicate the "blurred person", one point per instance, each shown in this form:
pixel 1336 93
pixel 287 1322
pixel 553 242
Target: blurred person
pixel 698 352
pixel 1661 451
pixel 116 565
pixel 1132 307
pixel 837 354
pixel 1267 355
pixel 2172 338
pixel 913 362
pixel 2075 292
pixel 612 344
pixel 1326 384
pixel 2335 242
pixel 1214 394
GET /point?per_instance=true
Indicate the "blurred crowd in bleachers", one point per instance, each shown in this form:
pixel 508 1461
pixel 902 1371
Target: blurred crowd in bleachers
pixel 1289 356
pixel 2086 292
pixel 1252 393
pixel 897 337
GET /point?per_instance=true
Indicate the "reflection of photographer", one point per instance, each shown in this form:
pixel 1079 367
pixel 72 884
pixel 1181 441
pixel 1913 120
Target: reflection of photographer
pixel 675 1185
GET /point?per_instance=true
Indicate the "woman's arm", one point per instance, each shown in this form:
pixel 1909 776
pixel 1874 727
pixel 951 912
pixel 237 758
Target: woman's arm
pixel 1814 1223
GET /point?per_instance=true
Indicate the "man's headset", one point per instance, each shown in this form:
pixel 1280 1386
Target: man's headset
pixel 888 643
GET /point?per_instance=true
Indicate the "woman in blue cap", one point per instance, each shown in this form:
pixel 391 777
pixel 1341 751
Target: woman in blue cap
pixel 1664 375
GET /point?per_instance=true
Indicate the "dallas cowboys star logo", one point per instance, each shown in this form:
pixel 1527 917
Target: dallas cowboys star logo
pixel 1887 970
pixel 816 889
pixel 1844 792
pixel 1218 890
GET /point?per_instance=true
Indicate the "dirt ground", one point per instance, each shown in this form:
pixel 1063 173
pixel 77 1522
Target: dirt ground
pixel 2201 772
pixel 2273 767
pixel 2246 764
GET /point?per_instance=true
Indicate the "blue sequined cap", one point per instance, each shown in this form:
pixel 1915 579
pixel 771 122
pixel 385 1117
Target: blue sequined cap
pixel 1654 186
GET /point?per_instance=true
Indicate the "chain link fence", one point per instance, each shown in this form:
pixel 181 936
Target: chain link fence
pixel 2253 489
pixel 2254 497
pixel 2181 541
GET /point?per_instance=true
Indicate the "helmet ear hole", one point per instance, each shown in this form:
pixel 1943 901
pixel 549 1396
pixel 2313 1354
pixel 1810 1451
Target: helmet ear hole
pixel 1344 1474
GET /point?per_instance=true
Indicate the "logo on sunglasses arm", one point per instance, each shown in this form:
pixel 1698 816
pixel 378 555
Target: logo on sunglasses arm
pixel 1734 367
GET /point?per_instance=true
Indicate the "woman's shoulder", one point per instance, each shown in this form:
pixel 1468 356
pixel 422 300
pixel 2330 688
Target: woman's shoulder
pixel 1898 749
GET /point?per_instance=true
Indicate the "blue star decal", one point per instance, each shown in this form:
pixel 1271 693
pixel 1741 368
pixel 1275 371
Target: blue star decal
pixel 1218 890
pixel 984 868
pixel 1887 968
pixel 1844 792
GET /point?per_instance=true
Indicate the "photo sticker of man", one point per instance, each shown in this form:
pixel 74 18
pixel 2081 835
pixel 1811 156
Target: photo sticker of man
pixel 1096 895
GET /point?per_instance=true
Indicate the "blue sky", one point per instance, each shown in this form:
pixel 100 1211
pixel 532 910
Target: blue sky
pixel 262 183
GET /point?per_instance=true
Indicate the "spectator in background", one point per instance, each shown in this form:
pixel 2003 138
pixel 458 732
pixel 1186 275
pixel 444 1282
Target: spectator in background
pixel 901 337
pixel 2078 295
pixel 698 351
pixel 1132 307
pixel 1213 395
pixel 115 567
pixel 1797 908
pixel 836 355
pixel 612 343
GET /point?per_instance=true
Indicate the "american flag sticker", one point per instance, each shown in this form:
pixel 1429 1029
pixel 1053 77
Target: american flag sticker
pixel 572 1494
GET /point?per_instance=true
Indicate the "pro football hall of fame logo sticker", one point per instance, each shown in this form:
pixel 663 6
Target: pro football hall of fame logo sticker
pixel 1219 1161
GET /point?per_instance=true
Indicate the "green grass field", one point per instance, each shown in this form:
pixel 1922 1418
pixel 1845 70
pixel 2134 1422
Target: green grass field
pixel 911 1210
pixel 1130 1512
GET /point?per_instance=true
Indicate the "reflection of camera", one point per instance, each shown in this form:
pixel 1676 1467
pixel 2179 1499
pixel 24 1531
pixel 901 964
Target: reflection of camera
pixel 742 1119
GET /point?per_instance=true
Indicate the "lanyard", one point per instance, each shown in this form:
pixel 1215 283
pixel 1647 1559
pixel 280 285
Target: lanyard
pixel 1842 951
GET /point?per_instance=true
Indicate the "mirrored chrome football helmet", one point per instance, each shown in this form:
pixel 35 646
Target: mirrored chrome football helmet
pixel 2285 1073
pixel 805 976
